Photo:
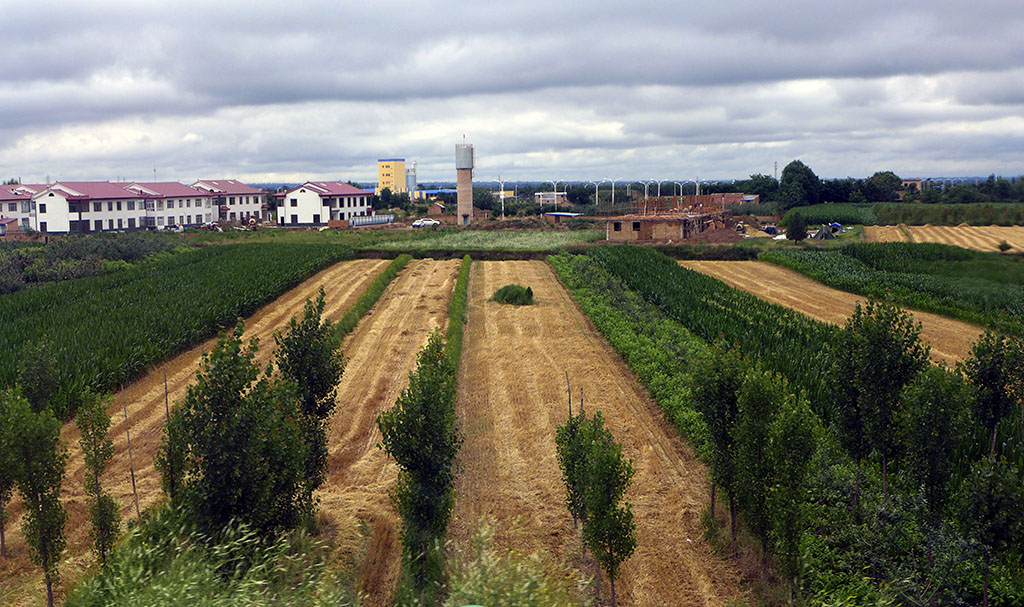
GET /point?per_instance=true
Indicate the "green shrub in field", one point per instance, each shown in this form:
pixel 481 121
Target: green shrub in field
pixel 516 295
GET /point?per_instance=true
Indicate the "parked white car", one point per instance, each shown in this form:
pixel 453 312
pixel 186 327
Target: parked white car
pixel 425 222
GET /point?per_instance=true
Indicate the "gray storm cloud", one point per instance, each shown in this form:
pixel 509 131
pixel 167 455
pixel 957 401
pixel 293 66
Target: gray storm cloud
pixel 317 89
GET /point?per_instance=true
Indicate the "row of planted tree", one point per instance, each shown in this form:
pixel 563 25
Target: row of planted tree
pixel 247 446
pixel 886 480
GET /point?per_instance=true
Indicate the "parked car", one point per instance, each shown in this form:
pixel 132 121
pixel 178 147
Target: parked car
pixel 425 222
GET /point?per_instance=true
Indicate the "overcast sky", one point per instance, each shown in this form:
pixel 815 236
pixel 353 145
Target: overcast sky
pixel 109 89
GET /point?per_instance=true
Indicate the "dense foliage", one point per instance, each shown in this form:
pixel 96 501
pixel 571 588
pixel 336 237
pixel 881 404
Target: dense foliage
pixel 515 295
pixel 309 355
pixel 787 341
pixel 94 423
pixel 982 288
pixel 457 312
pixel 30 442
pixel 915 549
pixel 596 478
pixel 420 433
pixel 77 256
pixel 893 213
pixel 107 329
pixel 235 444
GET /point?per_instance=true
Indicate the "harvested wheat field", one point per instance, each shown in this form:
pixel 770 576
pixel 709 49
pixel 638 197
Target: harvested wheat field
pixel 381 353
pixel 950 339
pixel 20 582
pixel 979 238
pixel 512 395
pixel 885 233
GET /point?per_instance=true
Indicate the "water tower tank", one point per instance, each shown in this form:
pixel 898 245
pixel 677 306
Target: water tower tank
pixel 464 156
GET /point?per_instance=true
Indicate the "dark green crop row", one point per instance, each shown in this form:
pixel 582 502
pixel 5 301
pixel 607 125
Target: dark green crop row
pixel 786 341
pixel 893 213
pixel 983 288
pixel 105 330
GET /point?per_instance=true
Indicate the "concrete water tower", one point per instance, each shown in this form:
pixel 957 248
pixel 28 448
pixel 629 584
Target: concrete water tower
pixel 464 181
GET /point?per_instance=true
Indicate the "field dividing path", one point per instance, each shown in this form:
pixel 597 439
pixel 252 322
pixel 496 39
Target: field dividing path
pixel 512 395
pixel 950 339
pixel 343 283
pixel 381 353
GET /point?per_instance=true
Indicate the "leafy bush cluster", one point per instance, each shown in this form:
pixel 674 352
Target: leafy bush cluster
pixel 515 295
pixel 107 329
pixel 926 521
pixel 77 257
pixel 977 287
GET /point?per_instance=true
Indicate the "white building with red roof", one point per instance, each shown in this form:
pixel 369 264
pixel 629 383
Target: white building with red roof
pixel 234 201
pixel 169 203
pixel 16 202
pixel 317 202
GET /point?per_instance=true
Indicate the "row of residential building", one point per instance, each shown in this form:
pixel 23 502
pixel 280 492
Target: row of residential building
pixel 101 206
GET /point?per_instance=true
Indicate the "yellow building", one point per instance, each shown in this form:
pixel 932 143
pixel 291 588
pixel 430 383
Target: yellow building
pixel 391 175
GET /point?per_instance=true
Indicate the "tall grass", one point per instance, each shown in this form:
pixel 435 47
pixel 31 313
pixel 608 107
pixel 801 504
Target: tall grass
pixel 486 575
pixel 165 562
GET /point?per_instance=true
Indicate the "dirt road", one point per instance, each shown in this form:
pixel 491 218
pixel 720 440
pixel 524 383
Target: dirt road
pixel 979 238
pixel 950 339
pixel 512 395
pixel 20 582
pixel 381 352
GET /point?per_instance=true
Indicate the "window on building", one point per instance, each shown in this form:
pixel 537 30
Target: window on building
pixel 42 208
pixel 294 202
pixel 131 205
pixel 97 206
pixel 636 226
pixel 26 206
pixel 110 206
pixel 316 218
pixel 98 225
pixel 231 200
pixel 118 205
pixel 160 220
pixel 181 219
pixel 24 223
pixel 295 219
pixel 617 226
pixel 170 204
pixel 12 207
pixel 110 224
pixel 42 226
pixel 120 223
pixel 131 223
pixel 188 203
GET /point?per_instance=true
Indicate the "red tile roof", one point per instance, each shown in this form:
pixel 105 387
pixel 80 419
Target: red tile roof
pixel 97 190
pixel 337 188
pixel 229 187
pixel 172 189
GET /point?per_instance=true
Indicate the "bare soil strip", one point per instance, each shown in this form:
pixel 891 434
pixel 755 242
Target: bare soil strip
pixel 381 353
pixel 343 283
pixel 979 238
pixel 512 395
pixel 950 339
